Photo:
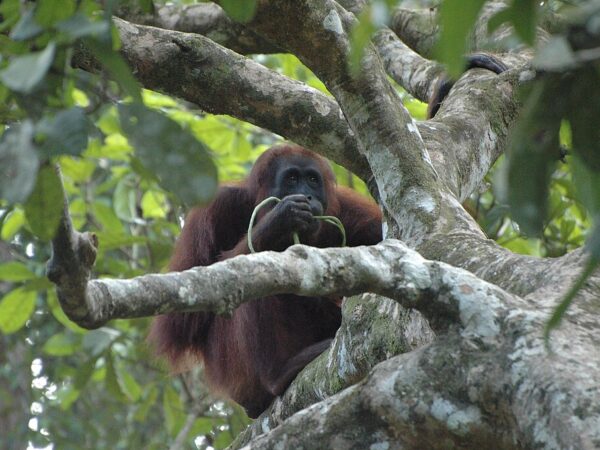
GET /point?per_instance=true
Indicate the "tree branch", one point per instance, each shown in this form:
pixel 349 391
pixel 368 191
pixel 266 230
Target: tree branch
pixel 220 81
pixel 462 392
pixel 207 19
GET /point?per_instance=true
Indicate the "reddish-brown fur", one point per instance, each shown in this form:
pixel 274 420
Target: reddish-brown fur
pixel 255 354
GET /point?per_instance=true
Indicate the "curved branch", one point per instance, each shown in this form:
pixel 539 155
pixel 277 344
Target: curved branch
pixel 410 70
pixel 389 269
pixel 194 68
pixel 416 28
pixel 207 19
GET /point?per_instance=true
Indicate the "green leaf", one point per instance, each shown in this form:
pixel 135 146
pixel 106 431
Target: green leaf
pixel 66 132
pixel 12 224
pixel 18 163
pixel 84 373
pixel 592 243
pixel 66 396
pixel 10 12
pixel 524 19
pixel 239 10
pixel 110 241
pixel 130 387
pixel 556 55
pixel 61 344
pixel 457 19
pixel 171 152
pixel 16 308
pixel 173 409
pixel 59 314
pixel 97 341
pixel 360 37
pixel 124 198
pixel 117 67
pixel 79 26
pixel 48 12
pixel 15 271
pixel 25 72
pixel 43 208
pixel 107 218
pixel 202 426
pixel 112 380
pixel 27 27
pixel 584 107
pixel 154 205
pixel 532 155
pixel 559 312
pixel 148 403
pixel 78 170
pixel 522 15
pixel 587 184
pixel 223 439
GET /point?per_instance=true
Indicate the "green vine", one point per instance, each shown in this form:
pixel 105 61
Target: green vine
pixel 329 219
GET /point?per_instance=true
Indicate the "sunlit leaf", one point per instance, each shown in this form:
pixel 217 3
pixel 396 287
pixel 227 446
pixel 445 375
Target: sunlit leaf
pixel 61 344
pixel 15 271
pixel 154 205
pixel 124 199
pixel 16 308
pixel 107 218
pixel 43 208
pixel 239 10
pixel 12 224
pixel 78 170
pixel 48 12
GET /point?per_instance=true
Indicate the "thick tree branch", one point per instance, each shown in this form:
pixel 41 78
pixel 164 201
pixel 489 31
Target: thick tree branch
pixel 207 19
pixel 410 70
pixel 416 28
pixel 220 81
pixel 373 330
pixel 301 270
pixel 461 393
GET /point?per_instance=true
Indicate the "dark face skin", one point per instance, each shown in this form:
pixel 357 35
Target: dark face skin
pixel 298 183
pixel 300 175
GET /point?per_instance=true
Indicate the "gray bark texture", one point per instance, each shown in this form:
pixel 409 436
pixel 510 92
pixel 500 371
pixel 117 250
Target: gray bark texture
pixel 446 348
